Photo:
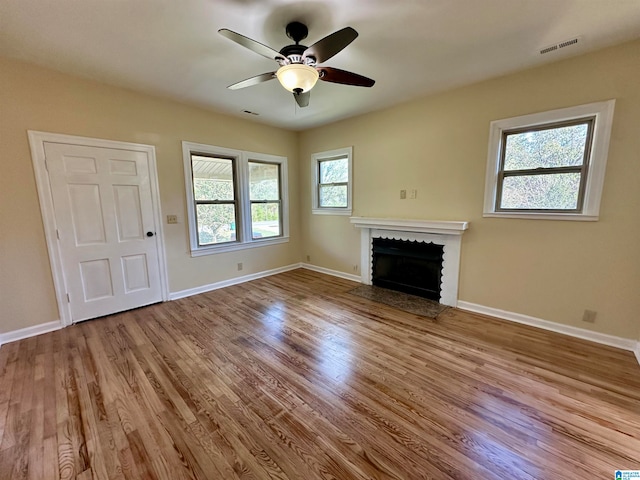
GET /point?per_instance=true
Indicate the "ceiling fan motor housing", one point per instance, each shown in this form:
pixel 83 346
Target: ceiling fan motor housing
pixel 296 58
pixel 296 31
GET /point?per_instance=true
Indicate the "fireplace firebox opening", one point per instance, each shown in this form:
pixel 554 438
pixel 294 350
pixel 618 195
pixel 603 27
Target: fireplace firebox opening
pixel 408 266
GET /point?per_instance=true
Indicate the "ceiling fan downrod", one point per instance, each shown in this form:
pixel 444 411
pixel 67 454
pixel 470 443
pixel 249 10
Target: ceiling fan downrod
pixel 297 31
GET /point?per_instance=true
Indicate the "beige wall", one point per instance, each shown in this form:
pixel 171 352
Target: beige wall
pixel 33 98
pixel 552 270
pixel 437 145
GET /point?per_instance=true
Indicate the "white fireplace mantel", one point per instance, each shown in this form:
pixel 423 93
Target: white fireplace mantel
pixel 405 225
pixel 446 233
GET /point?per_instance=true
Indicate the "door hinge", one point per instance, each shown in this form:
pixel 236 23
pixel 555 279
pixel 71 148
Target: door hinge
pixel 68 299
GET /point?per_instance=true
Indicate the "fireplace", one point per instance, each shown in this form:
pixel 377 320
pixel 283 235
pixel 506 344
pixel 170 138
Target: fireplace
pixel 444 234
pixel 406 266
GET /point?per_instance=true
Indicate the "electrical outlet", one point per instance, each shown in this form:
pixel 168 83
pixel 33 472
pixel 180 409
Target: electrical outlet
pixel 239 266
pixel 403 194
pixel 308 258
pixel 413 194
pixel 355 268
pixel 172 219
pixel 589 316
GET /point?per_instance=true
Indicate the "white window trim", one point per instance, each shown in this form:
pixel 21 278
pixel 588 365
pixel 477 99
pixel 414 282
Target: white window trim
pixel 603 113
pixel 316 158
pixel 244 205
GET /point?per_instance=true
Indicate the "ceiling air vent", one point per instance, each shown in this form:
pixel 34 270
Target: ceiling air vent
pixel 557 46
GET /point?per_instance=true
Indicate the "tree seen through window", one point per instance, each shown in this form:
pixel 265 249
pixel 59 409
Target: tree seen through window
pixel 543 168
pixel 334 178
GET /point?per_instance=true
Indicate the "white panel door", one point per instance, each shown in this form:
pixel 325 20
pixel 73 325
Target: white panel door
pixel 107 235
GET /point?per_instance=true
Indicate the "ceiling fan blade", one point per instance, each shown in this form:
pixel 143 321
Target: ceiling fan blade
pixel 326 48
pixel 302 99
pixel 253 81
pixel 335 75
pixel 252 45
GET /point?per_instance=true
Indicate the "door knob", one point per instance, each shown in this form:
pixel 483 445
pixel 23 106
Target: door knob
pixel 150 234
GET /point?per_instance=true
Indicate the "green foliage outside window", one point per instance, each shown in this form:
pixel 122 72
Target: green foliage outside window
pixel 264 186
pixel 334 175
pixel 216 223
pixel 536 156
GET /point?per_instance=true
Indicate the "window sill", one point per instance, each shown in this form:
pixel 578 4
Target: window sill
pixel 232 247
pixel 579 217
pixel 331 211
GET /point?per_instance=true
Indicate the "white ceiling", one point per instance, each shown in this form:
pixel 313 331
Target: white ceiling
pixel 410 47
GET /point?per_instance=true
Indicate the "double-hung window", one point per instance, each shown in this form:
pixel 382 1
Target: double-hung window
pixel 215 198
pixel 549 165
pixel 235 199
pixel 331 177
pixel 545 168
pixel 265 195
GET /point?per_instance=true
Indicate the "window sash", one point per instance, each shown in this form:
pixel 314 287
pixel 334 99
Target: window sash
pixel 581 169
pixel 330 184
pixel 267 202
pixel 344 158
pixel 279 177
pixel 233 201
pixel 333 184
pixel 339 184
pixel 199 223
pixel 277 201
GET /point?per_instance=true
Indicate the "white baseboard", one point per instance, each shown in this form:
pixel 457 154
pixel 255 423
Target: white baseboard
pixel 255 276
pixel 335 273
pixel 56 325
pixel 613 341
pixel 231 281
pixel 603 338
pixel 29 332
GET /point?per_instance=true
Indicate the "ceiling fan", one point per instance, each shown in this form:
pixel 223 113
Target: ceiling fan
pixel 299 70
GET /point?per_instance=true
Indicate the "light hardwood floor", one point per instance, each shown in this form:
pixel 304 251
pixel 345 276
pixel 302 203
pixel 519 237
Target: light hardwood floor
pixel 291 377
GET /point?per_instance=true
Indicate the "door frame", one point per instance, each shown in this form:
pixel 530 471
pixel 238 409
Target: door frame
pixel 36 142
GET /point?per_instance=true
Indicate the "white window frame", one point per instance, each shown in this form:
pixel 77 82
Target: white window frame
pixel 316 158
pixel 596 166
pixel 243 229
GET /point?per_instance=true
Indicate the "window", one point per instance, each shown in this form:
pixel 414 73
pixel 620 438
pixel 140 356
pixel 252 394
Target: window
pixel 215 198
pixel 549 165
pixel 544 168
pixel 265 198
pixel 331 176
pixel 235 199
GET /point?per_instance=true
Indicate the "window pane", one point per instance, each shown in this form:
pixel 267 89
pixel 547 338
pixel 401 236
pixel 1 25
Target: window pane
pixel 265 220
pixel 333 196
pixel 541 192
pixel 551 147
pixel 334 171
pixel 216 224
pixel 264 181
pixel 212 178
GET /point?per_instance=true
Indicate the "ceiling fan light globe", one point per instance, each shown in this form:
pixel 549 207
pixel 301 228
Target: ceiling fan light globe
pixel 297 77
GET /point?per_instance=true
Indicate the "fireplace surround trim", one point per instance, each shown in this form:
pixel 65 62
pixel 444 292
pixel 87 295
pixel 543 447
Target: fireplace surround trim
pixel 406 225
pixel 446 233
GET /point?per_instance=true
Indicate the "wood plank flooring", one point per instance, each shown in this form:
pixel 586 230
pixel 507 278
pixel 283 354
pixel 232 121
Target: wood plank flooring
pixel 290 377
